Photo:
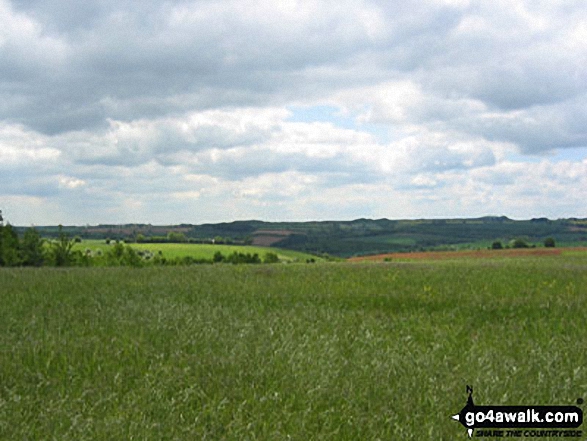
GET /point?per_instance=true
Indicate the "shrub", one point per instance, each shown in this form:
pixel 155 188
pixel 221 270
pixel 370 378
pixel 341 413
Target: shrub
pixel 549 242
pixel 271 257
pixel 236 258
pixel 9 246
pixel 174 237
pixel 32 252
pixel 80 259
pixel 130 257
pixel 519 243
pixel 61 250
pixel 497 245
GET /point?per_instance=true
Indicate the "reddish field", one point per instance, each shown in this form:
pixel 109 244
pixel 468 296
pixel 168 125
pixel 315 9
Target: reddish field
pixel 473 254
pixel 265 241
pixel 266 238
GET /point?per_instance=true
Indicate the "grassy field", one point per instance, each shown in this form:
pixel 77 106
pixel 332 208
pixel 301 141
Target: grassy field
pixel 199 251
pixel 304 352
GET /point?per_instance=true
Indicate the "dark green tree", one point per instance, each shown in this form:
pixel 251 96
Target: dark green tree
pixel 61 249
pixel 549 242
pixel 9 246
pixel 32 249
pixel 130 257
pixel 271 257
pixel 497 245
pixel 519 243
pixel 175 237
pixel 114 254
pixel 237 258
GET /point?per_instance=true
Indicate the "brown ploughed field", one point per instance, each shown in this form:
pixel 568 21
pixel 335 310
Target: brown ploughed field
pixel 474 254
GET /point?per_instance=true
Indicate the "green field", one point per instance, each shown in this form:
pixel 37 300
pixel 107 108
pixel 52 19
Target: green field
pixel 333 351
pixel 199 251
pixel 357 237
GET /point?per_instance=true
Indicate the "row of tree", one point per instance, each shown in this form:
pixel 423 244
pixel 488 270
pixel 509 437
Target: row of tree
pixel 179 237
pixel 28 251
pixel 32 250
pixel 549 242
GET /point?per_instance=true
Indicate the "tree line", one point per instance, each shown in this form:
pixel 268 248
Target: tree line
pixel 549 242
pixel 33 250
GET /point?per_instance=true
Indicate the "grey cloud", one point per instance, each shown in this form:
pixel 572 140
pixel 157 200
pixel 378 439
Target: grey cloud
pixel 509 81
pixel 18 182
pixel 183 48
pixel 496 177
pixel 431 153
pixel 534 130
pixel 120 56
pixel 201 53
pixel 485 73
pixel 141 141
pixel 242 163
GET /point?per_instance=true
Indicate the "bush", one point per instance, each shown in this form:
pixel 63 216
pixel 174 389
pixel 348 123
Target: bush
pixel 271 257
pixel 130 257
pixel 80 259
pixel 9 246
pixel 175 237
pixel 497 245
pixel 519 243
pixel 236 258
pixel 61 250
pixel 32 248
pixel 549 242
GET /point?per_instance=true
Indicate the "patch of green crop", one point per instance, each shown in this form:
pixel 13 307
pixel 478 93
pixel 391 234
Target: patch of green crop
pixel 198 251
pixel 273 352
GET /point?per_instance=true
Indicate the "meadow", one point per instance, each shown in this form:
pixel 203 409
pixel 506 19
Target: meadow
pixel 198 251
pixel 332 351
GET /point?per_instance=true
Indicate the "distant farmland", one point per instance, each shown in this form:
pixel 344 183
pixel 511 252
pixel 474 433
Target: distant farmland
pixel 353 238
pixel 473 254
pixel 266 238
pixel 199 251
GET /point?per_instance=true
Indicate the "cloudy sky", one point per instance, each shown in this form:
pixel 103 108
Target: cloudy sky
pixel 217 110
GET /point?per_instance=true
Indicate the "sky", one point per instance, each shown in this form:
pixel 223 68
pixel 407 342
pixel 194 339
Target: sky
pixel 170 112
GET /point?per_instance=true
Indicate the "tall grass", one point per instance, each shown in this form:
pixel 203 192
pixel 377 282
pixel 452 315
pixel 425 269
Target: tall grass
pixel 328 351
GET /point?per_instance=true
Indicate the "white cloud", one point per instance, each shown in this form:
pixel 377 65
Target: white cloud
pixel 70 182
pixel 448 107
pixel 21 148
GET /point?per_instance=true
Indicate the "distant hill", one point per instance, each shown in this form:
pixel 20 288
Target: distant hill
pixel 350 238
